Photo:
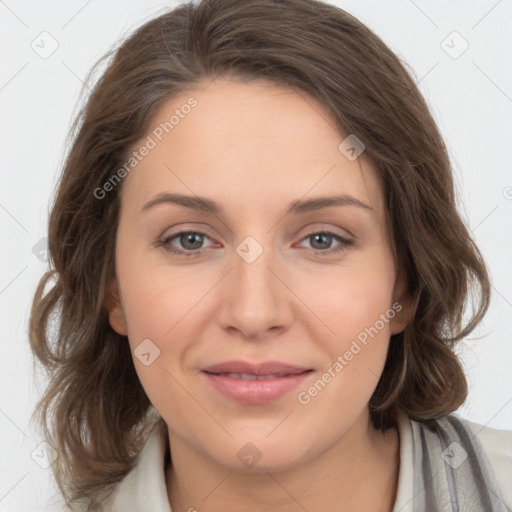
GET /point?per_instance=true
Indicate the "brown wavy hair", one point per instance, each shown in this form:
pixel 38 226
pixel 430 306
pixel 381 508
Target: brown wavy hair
pixel 94 410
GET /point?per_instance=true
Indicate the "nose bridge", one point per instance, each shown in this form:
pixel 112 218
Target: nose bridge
pixel 255 299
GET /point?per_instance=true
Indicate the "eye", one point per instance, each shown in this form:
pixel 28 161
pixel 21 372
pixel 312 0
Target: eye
pixel 190 242
pixel 321 242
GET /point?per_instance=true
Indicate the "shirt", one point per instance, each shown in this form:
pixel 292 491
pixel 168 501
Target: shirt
pixel 144 488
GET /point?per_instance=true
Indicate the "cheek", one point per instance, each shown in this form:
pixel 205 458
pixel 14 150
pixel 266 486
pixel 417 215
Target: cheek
pixel 168 306
pixel 350 299
pixel 163 313
pixel 156 295
pixel 159 333
pixel 358 311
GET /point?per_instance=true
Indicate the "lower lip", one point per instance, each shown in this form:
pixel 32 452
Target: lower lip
pixel 255 392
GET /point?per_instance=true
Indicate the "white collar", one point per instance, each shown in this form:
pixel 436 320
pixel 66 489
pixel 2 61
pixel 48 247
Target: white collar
pixel 405 491
pixel 144 488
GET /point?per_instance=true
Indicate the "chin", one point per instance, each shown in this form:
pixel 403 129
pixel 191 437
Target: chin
pixel 258 454
pixel 268 463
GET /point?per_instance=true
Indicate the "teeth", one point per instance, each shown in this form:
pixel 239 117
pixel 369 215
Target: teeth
pixel 250 376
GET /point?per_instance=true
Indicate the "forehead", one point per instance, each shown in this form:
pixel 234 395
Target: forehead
pixel 247 144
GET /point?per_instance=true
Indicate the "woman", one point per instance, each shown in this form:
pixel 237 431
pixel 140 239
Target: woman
pixel 260 277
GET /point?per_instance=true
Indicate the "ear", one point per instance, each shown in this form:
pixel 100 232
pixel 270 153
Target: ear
pixel 402 305
pixel 113 305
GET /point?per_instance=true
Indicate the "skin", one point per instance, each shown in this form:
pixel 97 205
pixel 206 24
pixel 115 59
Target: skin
pixel 254 148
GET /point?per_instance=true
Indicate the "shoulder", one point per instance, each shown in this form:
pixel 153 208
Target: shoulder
pixel 143 488
pixel 457 459
pixel 497 445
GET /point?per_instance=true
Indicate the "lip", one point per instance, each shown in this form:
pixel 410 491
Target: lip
pixel 255 392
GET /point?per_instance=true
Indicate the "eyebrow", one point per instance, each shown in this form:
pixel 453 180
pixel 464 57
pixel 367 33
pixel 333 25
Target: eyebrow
pixel 206 205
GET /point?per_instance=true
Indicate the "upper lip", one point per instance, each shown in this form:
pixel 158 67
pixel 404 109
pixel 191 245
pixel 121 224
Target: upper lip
pixel 265 368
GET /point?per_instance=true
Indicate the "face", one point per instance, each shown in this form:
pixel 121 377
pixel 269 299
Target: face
pixel 296 296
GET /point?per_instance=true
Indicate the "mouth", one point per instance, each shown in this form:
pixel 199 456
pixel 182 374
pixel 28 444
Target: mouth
pixel 255 384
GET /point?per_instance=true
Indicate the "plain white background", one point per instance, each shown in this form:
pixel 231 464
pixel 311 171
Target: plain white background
pixel 470 96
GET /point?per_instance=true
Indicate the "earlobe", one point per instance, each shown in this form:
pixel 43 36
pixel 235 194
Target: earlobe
pixel 397 324
pixel 114 308
pixel 402 305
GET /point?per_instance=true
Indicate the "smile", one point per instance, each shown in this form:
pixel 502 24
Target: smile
pixel 254 389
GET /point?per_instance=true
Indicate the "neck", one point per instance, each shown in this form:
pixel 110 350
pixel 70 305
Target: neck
pixel 360 472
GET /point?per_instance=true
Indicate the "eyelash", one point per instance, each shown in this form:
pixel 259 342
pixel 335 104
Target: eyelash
pixel 165 243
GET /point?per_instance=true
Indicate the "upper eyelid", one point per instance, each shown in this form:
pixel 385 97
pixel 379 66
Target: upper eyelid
pixel 314 231
pixel 205 229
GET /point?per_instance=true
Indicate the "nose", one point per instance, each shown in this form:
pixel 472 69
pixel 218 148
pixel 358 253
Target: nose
pixel 257 303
